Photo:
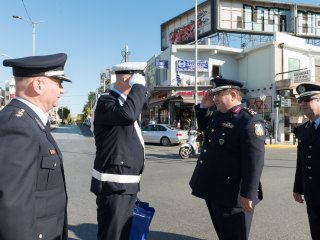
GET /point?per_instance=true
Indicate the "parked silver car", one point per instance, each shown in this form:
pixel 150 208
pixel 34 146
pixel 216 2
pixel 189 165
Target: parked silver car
pixel 164 134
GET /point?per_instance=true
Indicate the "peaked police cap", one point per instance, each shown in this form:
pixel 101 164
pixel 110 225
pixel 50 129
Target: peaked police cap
pixel 46 65
pixel 220 84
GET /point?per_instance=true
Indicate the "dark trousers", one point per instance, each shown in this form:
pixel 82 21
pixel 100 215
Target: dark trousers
pixel 114 215
pixel 230 223
pixel 314 221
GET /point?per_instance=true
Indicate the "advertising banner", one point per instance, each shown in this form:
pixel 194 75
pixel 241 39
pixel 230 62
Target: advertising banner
pixel 162 64
pixel 188 65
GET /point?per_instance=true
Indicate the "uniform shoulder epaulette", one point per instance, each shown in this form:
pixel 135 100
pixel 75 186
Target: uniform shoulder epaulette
pixel 250 111
pixel 20 113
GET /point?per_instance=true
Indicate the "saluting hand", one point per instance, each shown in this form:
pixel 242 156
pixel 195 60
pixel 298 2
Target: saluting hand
pixel 207 100
pixel 298 197
pixel 246 204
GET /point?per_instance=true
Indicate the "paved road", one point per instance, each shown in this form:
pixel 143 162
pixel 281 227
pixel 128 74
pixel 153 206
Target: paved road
pixel 179 215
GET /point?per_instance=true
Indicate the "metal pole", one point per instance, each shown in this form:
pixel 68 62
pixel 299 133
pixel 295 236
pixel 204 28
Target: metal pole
pixel 263 109
pixel 33 39
pixel 276 127
pixel 33 31
pixel 196 52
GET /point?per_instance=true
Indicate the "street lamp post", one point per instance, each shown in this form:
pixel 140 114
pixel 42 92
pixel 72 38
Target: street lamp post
pixel 196 52
pixel 33 31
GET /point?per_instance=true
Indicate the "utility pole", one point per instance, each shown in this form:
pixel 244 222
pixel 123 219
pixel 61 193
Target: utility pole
pixel 125 53
pixel 126 56
pixel 33 31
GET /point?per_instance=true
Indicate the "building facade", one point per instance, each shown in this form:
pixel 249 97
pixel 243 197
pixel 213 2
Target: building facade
pixel 270 72
pixel 171 79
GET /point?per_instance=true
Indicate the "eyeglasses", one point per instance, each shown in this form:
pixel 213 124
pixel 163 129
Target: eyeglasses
pixel 300 100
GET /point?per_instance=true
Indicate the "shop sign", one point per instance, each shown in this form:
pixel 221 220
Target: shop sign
pixel 302 76
pixel 161 64
pixel 286 102
pixel 190 93
pixel 188 65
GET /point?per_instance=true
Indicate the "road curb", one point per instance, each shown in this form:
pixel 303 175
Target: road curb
pixel 281 146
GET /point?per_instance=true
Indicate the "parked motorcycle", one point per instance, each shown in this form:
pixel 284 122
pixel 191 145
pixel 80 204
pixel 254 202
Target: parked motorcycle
pixel 191 147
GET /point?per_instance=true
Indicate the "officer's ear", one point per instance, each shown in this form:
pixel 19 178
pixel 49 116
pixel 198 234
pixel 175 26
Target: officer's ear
pixel 234 94
pixel 37 84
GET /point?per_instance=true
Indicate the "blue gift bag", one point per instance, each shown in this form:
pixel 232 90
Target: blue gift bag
pixel 142 216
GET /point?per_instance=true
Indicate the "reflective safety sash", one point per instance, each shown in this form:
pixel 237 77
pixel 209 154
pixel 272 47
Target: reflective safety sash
pixel 116 178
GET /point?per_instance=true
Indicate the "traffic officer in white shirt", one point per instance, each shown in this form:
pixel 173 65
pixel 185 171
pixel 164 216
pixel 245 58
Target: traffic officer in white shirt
pixel 33 198
pixel 119 158
pixel 307 178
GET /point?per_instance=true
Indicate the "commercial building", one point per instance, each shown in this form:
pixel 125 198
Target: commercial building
pixel 270 72
pixel 171 79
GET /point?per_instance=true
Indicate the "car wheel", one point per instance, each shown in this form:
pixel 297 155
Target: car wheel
pixel 165 141
pixel 184 152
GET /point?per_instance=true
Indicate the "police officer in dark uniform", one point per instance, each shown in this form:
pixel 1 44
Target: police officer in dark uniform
pixel 228 171
pixel 307 177
pixel 119 158
pixel 33 198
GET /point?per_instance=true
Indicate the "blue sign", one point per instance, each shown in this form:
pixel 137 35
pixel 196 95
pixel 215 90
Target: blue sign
pixel 161 64
pixel 188 65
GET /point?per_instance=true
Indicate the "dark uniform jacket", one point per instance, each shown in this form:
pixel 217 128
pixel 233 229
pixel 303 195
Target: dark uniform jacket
pixel 232 157
pixel 119 150
pixel 32 185
pixel 307 178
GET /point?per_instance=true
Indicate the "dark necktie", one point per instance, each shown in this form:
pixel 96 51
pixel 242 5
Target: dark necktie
pixel 48 126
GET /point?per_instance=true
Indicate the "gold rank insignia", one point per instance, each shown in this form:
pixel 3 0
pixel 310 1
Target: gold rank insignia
pixel 258 129
pixel 52 151
pixel 20 113
pixel 228 125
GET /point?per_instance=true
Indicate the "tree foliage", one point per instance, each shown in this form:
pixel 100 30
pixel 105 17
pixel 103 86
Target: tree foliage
pixel 86 112
pixel 64 114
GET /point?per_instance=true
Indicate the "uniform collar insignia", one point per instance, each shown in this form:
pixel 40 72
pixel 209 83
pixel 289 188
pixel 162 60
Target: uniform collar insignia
pixel 20 113
pixel 52 151
pixel 236 109
pixel 228 125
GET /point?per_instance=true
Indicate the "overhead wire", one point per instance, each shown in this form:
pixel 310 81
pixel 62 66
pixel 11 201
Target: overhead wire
pixel 26 10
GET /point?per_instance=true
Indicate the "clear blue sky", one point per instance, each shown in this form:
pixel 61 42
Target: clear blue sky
pixel 92 33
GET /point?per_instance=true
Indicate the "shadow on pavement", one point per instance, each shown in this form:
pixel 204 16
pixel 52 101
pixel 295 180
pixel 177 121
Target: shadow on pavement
pixel 155 235
pixel 85 130
pixel 84 231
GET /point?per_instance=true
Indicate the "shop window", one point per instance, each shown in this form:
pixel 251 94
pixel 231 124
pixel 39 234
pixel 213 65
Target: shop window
pixel 293 65
pixel 304 28
pixel 255 16
pixel 305 17
pixel 239 22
